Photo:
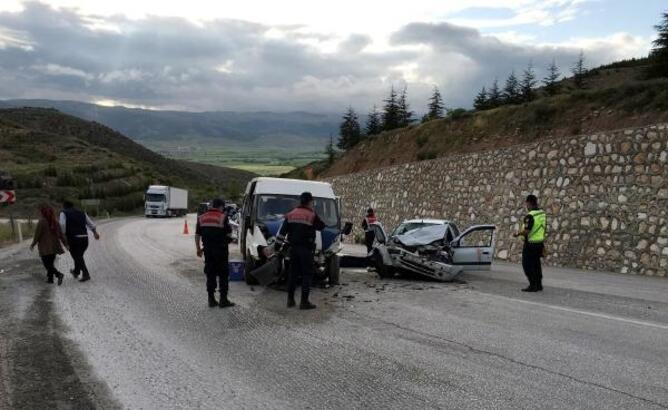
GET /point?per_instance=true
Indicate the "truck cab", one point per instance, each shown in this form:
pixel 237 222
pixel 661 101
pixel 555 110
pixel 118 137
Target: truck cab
pixel 267 200
pixel 165 201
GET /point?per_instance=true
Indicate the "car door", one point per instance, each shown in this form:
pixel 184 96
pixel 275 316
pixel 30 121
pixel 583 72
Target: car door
pixel 473 249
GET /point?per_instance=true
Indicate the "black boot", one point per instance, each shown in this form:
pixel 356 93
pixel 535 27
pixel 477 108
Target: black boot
pixel 306 305
pixel 49 279
pixel 530 288
pixel 225 302
pixel 74 273
pixel 212 300
pixel 84 278
pixel 291 301
pixel 60 277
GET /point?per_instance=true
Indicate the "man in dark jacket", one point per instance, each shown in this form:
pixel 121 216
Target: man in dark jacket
pixel 213 230
pixel 75 224
pixel 298 230
pixel 369 234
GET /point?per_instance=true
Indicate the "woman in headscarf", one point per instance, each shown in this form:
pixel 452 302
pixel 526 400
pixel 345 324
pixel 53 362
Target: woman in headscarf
pixel 48 238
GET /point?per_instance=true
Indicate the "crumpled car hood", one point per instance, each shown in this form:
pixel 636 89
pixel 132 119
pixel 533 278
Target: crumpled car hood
pixel 423 236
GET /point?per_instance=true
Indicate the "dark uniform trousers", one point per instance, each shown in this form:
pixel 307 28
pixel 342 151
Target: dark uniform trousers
pixel 216 269
pixel 301 262
pixel 78 246
pixel 531 254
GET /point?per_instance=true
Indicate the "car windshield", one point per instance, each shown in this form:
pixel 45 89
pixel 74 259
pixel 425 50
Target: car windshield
pixel 155 197
pixel 410 226
pixel 274 207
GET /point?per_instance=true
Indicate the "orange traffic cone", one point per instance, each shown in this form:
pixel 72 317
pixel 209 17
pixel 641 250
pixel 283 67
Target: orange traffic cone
pixel 185 227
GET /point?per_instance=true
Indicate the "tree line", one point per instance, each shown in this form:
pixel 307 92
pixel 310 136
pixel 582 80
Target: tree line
pixel 396 112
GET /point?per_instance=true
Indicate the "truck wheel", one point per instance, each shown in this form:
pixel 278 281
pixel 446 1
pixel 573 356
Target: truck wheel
pixel 333 270
pixel 249 265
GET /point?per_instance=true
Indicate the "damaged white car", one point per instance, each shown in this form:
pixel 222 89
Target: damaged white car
pixel 432 247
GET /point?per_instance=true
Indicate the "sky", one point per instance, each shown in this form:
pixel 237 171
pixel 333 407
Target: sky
pixel 291 55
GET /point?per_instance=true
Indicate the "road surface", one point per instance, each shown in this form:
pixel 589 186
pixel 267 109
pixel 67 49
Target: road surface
pixel 140 336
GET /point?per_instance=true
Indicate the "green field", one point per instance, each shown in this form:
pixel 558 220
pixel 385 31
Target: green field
pixel 262 161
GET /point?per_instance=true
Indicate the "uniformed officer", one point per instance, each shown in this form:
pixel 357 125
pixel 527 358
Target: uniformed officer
pixel 213 229
pixel 299 231
pixel 533 231
pixel 369 234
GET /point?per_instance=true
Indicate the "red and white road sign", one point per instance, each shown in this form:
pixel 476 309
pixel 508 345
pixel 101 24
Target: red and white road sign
pixel 7 196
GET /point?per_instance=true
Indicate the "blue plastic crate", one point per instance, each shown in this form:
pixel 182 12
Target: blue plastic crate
pixel 236 270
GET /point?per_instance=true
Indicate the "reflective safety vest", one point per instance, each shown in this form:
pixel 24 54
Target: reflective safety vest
pixel 537 233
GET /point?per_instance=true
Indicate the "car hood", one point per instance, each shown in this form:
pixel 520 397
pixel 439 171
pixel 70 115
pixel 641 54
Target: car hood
pixel 423 236
pixel 328 235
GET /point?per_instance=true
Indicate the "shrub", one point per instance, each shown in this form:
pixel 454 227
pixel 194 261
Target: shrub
pixel 421 140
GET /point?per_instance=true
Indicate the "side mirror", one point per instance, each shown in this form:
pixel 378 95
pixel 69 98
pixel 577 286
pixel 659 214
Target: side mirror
pixel 347 228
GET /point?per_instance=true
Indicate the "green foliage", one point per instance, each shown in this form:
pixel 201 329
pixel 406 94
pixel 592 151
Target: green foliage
pixel 528 84
pixel 422 156
pixel 579 71
pixel 391 115
pixel 458 113
pixel 349 130
pixel 511 91
pixel 550 81
pixel 659 55
pixel 421 140
pixel 405 113
pixel 481 101
pixel 373 123
pixel 436 106
pixel 50 171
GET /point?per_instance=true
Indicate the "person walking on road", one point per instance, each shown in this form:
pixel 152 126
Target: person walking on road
pixel 298 230
pixel 533 232
pixel 213 231
pixel 75 224
pixel 369 234
pixel 48 237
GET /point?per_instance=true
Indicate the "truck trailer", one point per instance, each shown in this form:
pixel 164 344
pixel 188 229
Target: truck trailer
pixel 165 201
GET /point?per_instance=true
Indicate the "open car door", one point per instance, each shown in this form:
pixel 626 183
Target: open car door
pixel 474 248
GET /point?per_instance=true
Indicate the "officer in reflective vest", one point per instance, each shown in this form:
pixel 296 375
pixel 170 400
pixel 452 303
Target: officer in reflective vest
pixel 369 234
pixel 213 230
pixel 298 230
pixel 533 232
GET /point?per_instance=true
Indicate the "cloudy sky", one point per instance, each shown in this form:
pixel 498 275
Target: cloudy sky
pixel 285 55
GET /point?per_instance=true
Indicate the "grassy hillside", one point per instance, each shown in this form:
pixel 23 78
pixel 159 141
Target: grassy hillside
pixel 266 142
pixel 615 96
pixel 53 156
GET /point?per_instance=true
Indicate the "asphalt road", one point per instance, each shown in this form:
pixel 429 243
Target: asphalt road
pixel 142 329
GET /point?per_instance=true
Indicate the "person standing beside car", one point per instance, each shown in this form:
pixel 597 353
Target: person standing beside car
pixel 48 237
pixel 213 231
pixel 369 234
pixel 533 232
pixel 75 224
pixel 298 230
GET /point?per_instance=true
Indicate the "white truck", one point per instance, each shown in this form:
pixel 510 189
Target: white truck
pixel 165 201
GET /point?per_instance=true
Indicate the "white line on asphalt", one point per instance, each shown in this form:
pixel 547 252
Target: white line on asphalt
pixel 584 312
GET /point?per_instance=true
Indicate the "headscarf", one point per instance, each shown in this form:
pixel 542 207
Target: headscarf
pixel 50 216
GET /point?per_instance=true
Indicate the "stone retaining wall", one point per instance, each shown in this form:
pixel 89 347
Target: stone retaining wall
pixel 606 196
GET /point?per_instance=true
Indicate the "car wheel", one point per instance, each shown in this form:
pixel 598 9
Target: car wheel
pixel 382 270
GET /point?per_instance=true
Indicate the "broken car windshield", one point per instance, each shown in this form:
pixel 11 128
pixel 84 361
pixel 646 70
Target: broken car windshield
pixel 274 207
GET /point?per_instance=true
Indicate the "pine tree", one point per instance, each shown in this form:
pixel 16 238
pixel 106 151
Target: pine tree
pixel 659 55
pixel 511 91
pixel 373 123
pixel 436 107
pixel 528 84
pixel 494 97
pixel 391 115
pixel 405 113
pixel 330 151
pixel 550 82
pixel 481 100
pixel 349 130
pixel 579 71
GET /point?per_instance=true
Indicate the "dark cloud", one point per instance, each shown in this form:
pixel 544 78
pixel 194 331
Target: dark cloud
pixel 238 65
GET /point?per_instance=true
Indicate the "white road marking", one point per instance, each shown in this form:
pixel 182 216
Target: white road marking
pixel 587 313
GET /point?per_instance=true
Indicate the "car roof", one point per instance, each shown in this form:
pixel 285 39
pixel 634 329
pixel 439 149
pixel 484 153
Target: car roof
pixel 428 221
pixel 284 186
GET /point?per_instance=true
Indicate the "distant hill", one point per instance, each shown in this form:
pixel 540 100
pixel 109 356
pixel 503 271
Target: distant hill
pixel 615 96
pixel 304 130
pixel 53 156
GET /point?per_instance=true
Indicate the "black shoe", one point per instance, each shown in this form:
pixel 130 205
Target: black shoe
pixel 60 279
pixel 75 274
pixel 224 303
pixel 306 305
pixel 49 280
pixel 539 288
pixel 84 279
pixel 291 302
pixel 212 301
pixel 530 289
